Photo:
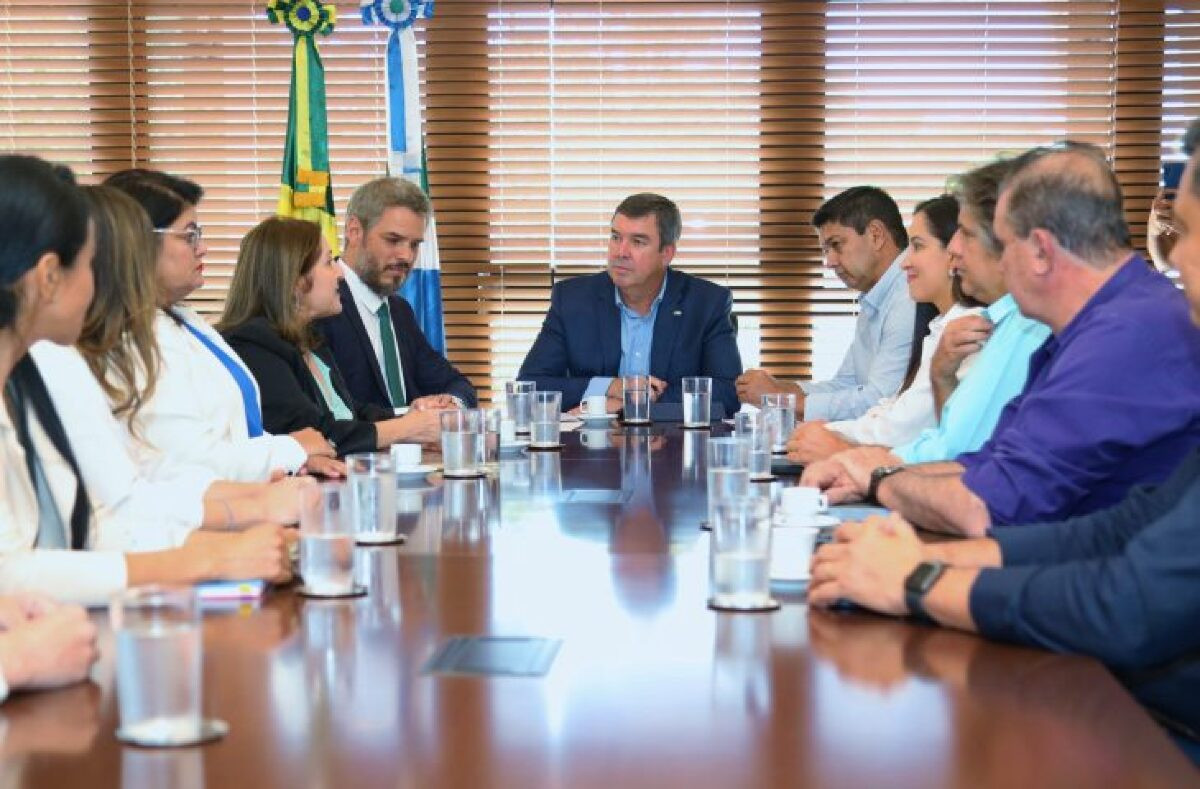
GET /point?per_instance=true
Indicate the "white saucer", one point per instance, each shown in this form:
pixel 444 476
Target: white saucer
pixel 818 521
pixel 416 472
pixel 598 417
pixel 520 443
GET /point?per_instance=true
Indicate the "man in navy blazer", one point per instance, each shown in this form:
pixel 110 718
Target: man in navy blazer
pixel 637 318
pixel 376 341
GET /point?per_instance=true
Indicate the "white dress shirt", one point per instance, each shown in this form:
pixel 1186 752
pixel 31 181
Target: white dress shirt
pixel 897 420
pixel 368 302
pixel 196 414
pixel 86 577
pixel 140 503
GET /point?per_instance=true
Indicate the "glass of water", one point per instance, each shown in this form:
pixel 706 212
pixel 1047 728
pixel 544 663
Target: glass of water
pixel 159 659
pixel 547 408
pixel 326 542
pixel 728 471
pixel 780 411
pixel 740 555
pixel 697 402
pixel 752 427
pixel 518 404
pixel 371 484
pixel 492 417
pixel 636 399
pixel 463 442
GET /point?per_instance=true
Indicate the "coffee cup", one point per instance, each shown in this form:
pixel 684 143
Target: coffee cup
pixel 791 552
pixel 800 504
pixel 595 405
pixel 406 455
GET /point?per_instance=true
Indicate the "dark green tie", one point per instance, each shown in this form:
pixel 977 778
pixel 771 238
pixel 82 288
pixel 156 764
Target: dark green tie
pixel 391 359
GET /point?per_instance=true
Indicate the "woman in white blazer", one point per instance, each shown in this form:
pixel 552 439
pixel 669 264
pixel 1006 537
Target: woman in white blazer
pixel 900 419
pixel 46 528
pixel 205 407
pixel 141 499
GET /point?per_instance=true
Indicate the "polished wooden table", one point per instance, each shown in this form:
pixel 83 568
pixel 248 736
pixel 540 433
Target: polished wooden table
pixel 598 546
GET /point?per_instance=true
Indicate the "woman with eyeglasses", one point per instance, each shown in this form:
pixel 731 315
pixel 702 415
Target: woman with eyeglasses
pixel 205 408
pixel 141 500
pixel 285 279
pixel 46 524
pixel 928 265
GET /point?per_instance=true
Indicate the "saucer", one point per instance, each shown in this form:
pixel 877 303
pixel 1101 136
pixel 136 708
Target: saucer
pixel 416 472
pixel 816 521
pixel 473 473
pixel 545 447
pixel 598 417
pixel 520 443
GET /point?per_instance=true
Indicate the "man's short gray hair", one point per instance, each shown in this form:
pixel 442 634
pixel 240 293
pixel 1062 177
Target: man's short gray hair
pixel 370 200
pixel 1069 190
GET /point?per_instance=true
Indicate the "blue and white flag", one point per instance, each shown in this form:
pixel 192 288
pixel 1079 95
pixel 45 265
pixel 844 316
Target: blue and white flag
pixel 406 150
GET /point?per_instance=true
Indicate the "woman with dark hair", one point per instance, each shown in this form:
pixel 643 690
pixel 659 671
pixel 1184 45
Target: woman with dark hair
pixel 897 420
pixel 285 279
pixel 141 500
pixel 46 526
pixel 205 407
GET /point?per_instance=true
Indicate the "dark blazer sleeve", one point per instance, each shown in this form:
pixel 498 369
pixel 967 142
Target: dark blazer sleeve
pixel 426 372
pixel 548 362
pixel 290 397
pixel 720 357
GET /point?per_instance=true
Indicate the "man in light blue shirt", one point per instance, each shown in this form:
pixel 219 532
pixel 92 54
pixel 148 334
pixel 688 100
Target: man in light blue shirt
pixel 637 337
pixel 862 236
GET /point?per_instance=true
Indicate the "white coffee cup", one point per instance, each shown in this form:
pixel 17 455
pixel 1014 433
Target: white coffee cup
pixel 406 455
pixel 799 504
pixel 508 432
pixel 791 552
pixel 595 405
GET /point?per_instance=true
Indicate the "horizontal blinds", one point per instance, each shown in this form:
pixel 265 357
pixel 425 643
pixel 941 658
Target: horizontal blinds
pixel 575 105
pixel 1181 72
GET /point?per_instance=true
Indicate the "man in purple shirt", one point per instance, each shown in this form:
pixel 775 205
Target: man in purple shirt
pixel 1112 398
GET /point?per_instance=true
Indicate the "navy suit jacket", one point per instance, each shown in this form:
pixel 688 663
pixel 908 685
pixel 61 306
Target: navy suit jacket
pixel 581 338
pixel 426 372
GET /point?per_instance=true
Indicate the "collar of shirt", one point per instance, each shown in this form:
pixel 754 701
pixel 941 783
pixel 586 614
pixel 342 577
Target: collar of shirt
pixel 628 313
pixel 362 294
pixel 1133 269
pixel 878 295
pixel 1000 309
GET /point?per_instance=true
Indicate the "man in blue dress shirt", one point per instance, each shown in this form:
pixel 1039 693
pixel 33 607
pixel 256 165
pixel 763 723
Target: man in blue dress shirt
pixel 1113 397
pixel 639 317
pixel 1121 584
pixel 863 238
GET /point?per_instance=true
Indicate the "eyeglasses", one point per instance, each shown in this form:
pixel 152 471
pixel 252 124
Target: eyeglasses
pixel 193 235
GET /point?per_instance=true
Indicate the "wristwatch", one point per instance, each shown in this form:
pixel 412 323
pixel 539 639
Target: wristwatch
pixel 878 475
pixel 918 583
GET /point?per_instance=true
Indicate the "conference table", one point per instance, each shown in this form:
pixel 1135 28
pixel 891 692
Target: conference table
pixel 584 571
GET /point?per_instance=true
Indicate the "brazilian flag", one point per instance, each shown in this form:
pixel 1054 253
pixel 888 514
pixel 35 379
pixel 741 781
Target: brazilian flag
pixel 305 191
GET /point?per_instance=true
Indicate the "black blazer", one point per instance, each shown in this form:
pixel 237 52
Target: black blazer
pixel 291 398
pixel 581 338
pixel 426 372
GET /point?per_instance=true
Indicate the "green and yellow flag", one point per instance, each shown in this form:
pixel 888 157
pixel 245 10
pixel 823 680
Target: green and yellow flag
pixel 305 191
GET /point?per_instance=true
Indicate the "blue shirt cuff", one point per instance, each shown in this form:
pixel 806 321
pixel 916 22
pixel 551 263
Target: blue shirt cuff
pixel 597 386
pixel 995 601
pixel 1020 545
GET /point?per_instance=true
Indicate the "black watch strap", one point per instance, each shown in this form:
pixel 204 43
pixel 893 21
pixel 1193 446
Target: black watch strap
pixel 917 585
pixel 878 475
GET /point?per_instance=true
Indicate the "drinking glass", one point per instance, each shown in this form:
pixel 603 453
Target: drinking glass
pixel 728 471
pixel 518 404
pixel 697 402
pixel 159 659
pixel 463 443
pixel 780 411
pixel 326 541
pixel 752 427
pixel 371 481
pixel 636 399
pixel 492 417
pixel 547 408
pixel 740 555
